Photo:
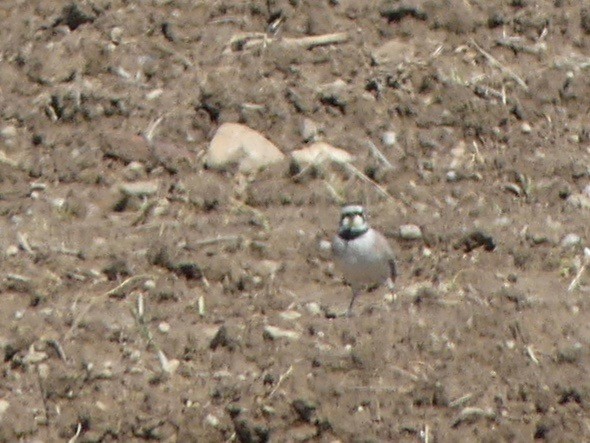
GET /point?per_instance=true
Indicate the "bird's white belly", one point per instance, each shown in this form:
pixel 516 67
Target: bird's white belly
pixel 359 262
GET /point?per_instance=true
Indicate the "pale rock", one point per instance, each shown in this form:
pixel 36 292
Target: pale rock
pixel 571 240
pixel 314 308
pixel 526 128
pixel 389 138
pixel 276 333
pixel 4 405
pixel 8 132
pixel 12 250
pixel 164 327
pixel 234 143
pixel 410 232
pixel 580 201
pixel 140 188
pixel 290 315
pixel 212 421
pixel 318 153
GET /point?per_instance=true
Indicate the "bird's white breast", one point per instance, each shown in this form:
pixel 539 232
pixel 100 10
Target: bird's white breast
pixel 360 260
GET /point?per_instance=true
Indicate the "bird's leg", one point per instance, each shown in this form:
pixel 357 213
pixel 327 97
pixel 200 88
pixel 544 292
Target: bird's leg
pixel 355 293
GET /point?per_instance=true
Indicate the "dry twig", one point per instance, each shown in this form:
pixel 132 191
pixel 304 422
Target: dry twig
pixel 282 377
pixel 576 281
pixel 253 40
pixel 379 155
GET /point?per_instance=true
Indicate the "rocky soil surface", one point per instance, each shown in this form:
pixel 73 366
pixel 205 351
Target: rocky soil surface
pixel 171 173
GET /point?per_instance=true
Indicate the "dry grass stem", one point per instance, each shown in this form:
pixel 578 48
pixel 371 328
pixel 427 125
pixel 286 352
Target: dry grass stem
pixel 151 129
pixel 253 40
pixel 128 283
pixel 77 434
pixel 23 242
pixel 531 354
pixel 282 377
pixel 379 155
pixel 576 281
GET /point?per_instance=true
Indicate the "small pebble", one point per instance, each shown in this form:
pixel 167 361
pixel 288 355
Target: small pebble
pixel 389 138
pixel 211 420
pixel 325 245
pixel 571 240
pixel 4 405
pixel 154 94
pixel 149 284
pixel 58 202
pixel 8 132
pixel 314 308
pixel 116 34
pixel 574 138
pixel 12 250
pixel 410 232
pixel 139 189
pixel 135 355
pixel 275 333
pixel 526 128
pixel 290 315
pixel 43 371
pixel 452 176
pixel 164 327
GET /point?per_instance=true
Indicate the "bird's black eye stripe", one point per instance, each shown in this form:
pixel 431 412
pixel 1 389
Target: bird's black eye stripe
pixel 351 213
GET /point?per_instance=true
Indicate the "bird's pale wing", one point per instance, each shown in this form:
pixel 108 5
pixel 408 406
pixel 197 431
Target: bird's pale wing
pixel 384 248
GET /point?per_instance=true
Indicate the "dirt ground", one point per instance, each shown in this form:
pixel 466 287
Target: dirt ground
pixel 141 292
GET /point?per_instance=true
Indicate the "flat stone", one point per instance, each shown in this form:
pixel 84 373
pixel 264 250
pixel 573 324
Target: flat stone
pixel 389 138
pixel 289 315
pixel 140 188
pixel 410 232
pixel 276 333
pixel 318 153
pixel 234 143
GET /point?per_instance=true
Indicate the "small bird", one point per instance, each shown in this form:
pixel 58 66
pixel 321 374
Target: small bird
pixel 362 254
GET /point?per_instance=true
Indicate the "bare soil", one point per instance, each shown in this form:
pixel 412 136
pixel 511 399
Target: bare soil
pixel 145 315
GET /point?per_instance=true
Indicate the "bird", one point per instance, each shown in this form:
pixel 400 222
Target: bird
pixel 362 254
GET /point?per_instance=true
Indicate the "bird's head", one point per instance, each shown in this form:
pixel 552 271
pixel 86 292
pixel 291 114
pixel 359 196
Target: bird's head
pixel 353 222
